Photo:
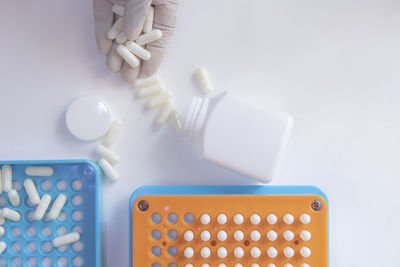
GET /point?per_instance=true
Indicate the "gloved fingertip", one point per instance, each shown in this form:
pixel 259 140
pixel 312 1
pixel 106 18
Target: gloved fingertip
pixel 129 74
pixel 104 45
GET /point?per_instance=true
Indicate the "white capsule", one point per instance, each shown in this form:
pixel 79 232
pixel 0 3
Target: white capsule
pixel 159 100
pixel 31 191
pixel 118 9
pixel 205 235
pixel 255 235
pixel 121 38
pixel 127 55
pixel 222 235
pixel 255 218
pixel 305 218
pixel 288 235
pixel 165 113
pixel 203 77
pixel 188 236
pixel 272 252
pixel 2 231
pixel 6 173
pixel 222 252
pixel 288 218
pixel 113 133
pixel 139 51
pixel 305 252
pixel 305 265
pixel 272 235
pixel 146 38
pixel 205 252
pixel 148 22
pixel 272 219
pixel 238 218
pixel 39 171
pixel 146 82
pixel 14 198
pixel 271 265
pixel 222 218
pixel 238 235
pixel 188 252
pixel 255 252
pixel 238 252
pixel 109 170
pixel 288 252
pixel 305 235
pixel 66 239
pixel 3 247
pixel 42 207
pixel 115 29
pixel 58 205
pixel 10 214
pixel 109 154
pixel 151 90
pixel 288 265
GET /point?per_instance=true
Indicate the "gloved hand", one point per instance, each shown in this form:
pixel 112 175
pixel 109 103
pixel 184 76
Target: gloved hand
pixel 133 20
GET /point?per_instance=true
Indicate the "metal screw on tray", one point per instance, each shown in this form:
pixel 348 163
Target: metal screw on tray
pixel 143 205
pixel 316 205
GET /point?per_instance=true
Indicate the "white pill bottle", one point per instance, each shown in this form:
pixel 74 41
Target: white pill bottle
pixel 238 136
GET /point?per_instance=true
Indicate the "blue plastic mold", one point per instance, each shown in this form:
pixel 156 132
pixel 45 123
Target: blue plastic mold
pixel 29 241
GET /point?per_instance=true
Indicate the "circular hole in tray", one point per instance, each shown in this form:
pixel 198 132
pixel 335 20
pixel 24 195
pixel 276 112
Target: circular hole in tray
pixel 47 231
pixel 16 262
pixel 77 185
pixel 62 261
pixel 31 246
pixel 62 230
pixel 47 262
pixel 62 248
pixel 16 231
pixel 32 262
pixel 172 264
pixel 3 262
pixel 17 185
pixel 28 202
pixel 77 261
pixel 47 246
pixel 156 264
pixel 156 218
pixel 46 185
pixel 77 229
pixel 77 246
pixel 156 234
pixel 172 218
pixel 61 185
pixel 31 231
pixel 16 247
pixel 172 234
pixel 77 215
pixel 188 218
pixel 77 200
pixel 3 201
pixel 63 216
pixel 29 216
pixel 172 251
pixel 156 251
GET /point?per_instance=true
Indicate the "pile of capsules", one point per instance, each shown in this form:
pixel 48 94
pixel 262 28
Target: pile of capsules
pixel 43 203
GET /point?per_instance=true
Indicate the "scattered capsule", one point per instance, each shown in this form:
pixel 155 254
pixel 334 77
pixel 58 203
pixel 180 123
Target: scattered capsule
pixel 222 252
pixel 188 252
pixel 58 205
pixel 121 39
pixel 115 29
pixel 205 218
pixel 146 38
pixel 159 100
pixel 31 191
pixel 272 219
pixel 288 252
pixel 2 231
pixel 288 218
pixel 305 235
pixel 188 236
pixel 205 235
pixel 66 239
pixel 3 247
pixel 205 252
pixel 272 235
pixel 42 207
pixel 305 218
pixel 238 235
pixel 14 198
pixel 139 51
pixel 255 252
pixel 222 218
pixel 145 82
pixel 238 252
pixel 203 77
pixel 10 214
pixel 305 265
pixel 165 113
pixel 39 171
pixel 127 55
pixel 222 235
pixel 118 9
pixel 272 252
pixel 108 153
pixel 113 133
pixel 255 218
pixel 109 170
pixel 238 218
pixel 255 235
pixel 6 173
pixel 148 22
pixel 288 265
pixel 305 252
pixel 151 90
pixel 288 235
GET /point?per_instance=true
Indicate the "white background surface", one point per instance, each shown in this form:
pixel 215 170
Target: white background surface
pixel 333 65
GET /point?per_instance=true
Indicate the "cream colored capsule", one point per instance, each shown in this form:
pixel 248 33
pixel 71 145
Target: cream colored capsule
pixel 138 50
pixel 30 189
pixel 204 79
pixel 158 100
pixel 145 82
pixel 42 207
pixel 118 9
pixel 58 205
pixel 146 38
pixel 121 39
pixel 6 173
pixel 14 198
pixel 109 170
pixel 39 171
pixel 165 113
pixel 10 214
pixel 108 153
pixel 66 239
pixel 3 247
pixel 115 29
pixel 148 22
pixel 127 55
pixel 113 133
pixel 152 90
pixel 2 231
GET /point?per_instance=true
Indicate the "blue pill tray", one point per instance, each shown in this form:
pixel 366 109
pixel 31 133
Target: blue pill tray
pixel 29 241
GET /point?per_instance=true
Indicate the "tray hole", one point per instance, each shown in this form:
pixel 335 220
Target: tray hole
pixel 77 229
pixel 16 247
pixel 47 231
pixel 31 231
pixel 62 248
pixel 62 261
pixel 47 247
pixel 156 234
pixel 156 218
pixel 188 218
pixel 46 185
pixel 62 230
pixel 77 261
pixel 172 218
pixel 31 247
pixel 32 262
pixel 16 231
pixel 16 262
pixel 17 185
pixel 77 246
pixel 61 185
pixel 77 185
pixel 63 216
pixel 156 251
pixel 47 262
pixel 77 215
pixel 77 200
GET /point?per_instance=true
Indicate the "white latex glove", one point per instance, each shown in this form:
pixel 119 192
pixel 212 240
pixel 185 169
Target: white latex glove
pixel 133 20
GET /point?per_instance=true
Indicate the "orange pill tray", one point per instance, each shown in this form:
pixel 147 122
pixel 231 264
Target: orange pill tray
pixel 229 226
